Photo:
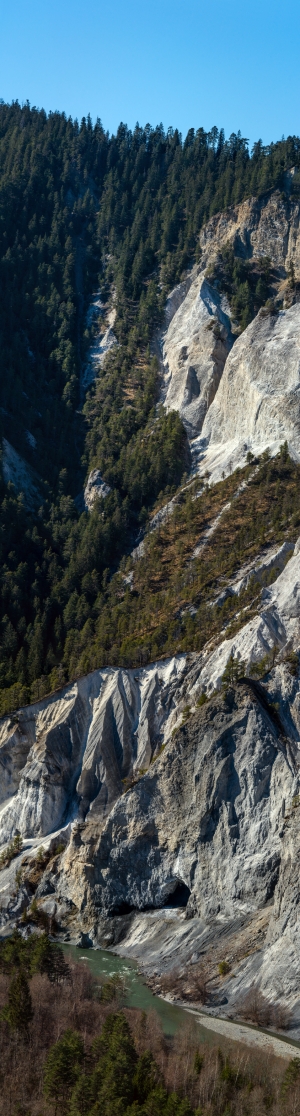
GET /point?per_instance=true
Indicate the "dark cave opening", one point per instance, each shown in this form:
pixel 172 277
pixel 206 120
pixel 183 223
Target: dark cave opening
pixel 179 897
pixel 122 909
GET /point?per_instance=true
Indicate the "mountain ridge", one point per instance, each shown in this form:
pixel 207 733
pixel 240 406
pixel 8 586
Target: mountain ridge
pixel 168 773
pixel 120 215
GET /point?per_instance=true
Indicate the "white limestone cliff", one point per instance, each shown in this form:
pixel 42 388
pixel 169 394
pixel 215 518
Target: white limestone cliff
pixel 144 790
pixel 235 396
pixel 257 405
pixel 193 351
pixel 144 799
pixel 68 754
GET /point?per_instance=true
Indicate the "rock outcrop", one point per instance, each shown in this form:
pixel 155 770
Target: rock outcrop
pixel 168 808
pixel 267 226
pixel 257 404
pixel 236 395
pixel 21 475
pixel 103 340
pixel 96 488
pixel 67 755
pixel 203 825
pixel 277 624
pixel 207 816
pixel 98 351
pixel 194 349
pixel 169 827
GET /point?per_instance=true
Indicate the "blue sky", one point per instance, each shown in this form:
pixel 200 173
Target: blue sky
pixel 187 63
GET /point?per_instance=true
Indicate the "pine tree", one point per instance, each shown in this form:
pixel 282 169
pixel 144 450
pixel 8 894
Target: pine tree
pixel 234 670
pixel 63 1068
pixel 48 958
pixel 19 1012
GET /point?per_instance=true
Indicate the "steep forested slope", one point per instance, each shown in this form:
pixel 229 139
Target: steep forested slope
pixel 81 210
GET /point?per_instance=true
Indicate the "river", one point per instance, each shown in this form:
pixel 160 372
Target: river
pixel 106 964
pixel 219 1032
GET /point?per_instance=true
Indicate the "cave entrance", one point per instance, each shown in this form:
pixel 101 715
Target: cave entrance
pixel 179 897
pixel 122 909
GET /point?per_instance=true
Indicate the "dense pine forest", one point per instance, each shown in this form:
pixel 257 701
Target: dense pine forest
pixel 82 211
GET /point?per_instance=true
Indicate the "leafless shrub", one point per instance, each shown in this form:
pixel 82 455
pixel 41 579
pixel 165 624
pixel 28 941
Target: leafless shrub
pixel 281 1017
pixel 259 1010
pixel 191 985
pixel 255 1007
pixel 82 980
pixel 173 982
pixel 198 985
pixel 148 1034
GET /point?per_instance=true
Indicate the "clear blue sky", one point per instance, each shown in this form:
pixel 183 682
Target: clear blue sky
pixel 187 63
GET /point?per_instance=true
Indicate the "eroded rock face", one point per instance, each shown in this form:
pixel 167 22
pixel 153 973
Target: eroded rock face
pixel 267 226
pixel 67 755
pixel 247 400
pixel 280 963
pixel 208 816
pixel 276 625
pixel 14 748
pixel 103 341
pixel 194 350
pixel 213 815
pixel 257 404
pixel 209 813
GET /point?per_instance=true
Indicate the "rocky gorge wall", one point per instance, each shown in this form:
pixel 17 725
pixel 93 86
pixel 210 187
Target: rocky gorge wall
pixel 265 226
pixel 70 754
pixel 163 810
pixel 194 351
pixel 236 394
pixel 167 807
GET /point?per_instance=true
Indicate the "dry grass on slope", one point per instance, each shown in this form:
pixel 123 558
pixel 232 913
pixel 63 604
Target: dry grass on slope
pixel 162 603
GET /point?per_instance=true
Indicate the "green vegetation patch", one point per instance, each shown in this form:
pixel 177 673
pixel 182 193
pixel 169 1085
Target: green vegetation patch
pixel 168 605
pixel 247 283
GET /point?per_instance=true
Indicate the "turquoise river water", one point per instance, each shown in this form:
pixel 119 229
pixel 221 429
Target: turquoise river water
pixel 106 964
pixel 172 1018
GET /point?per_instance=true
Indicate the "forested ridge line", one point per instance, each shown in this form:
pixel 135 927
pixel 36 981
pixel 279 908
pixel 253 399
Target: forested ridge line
pixel 81 210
